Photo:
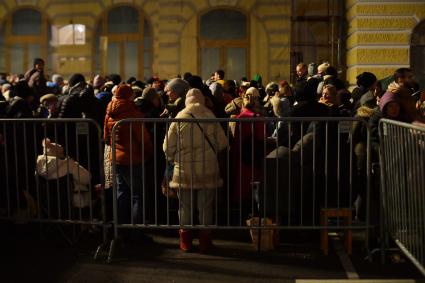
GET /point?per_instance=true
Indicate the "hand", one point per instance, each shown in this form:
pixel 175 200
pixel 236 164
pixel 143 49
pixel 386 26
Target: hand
pixel 164 113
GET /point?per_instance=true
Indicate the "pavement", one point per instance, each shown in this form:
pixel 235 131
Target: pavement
pixel 30 256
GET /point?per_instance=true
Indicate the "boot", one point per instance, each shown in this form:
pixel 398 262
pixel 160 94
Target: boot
pixel 185 240
pixel 205 243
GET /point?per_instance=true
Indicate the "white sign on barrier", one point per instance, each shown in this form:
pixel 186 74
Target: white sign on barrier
pixel 82 129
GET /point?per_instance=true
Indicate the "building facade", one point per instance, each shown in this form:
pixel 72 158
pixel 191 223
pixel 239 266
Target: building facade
pixel 142 38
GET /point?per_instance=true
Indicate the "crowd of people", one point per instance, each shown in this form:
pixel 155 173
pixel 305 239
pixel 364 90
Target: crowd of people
pixel 189 150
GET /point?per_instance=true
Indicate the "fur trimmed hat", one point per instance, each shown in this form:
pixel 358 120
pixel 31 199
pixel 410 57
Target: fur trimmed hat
pixel 323 67
pixel 253 92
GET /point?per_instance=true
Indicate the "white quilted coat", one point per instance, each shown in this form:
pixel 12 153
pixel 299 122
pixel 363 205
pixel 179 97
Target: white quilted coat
pixel 195 162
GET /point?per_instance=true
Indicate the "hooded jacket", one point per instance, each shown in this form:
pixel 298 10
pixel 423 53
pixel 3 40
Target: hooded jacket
pixel 392 97
pixel 407 102
pixel 195 161
pixel 128 148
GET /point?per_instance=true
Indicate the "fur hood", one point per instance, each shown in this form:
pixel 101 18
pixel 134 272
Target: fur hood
pixel 393 87
pixel 365 112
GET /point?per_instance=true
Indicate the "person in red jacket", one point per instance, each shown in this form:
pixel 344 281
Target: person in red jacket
pixel 132 148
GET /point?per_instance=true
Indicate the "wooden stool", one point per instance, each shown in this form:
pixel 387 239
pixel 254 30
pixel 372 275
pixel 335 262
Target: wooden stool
pixel 344 213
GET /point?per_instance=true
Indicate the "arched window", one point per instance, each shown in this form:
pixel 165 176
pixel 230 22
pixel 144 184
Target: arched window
pixel 72 34
pixel 224 43
pixel 26 39
pixel 124 42
pixel 417 53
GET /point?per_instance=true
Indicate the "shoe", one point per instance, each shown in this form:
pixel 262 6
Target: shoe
pixel 185 240
pixel 205 242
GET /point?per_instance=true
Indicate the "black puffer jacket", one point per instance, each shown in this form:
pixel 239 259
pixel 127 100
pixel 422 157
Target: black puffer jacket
pixel 69 105
pixel 80 102
pixel 18 108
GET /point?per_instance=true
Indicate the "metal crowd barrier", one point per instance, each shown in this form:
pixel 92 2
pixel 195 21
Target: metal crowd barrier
pixel 42 186
pixel 402 153
pixel 314 169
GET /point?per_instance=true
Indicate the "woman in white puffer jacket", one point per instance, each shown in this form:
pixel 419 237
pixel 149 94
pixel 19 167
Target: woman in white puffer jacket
pixel 196 173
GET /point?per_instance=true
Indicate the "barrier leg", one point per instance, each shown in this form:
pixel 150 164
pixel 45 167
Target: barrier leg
pixel 99 248
pixel 112 249
pixel 324 234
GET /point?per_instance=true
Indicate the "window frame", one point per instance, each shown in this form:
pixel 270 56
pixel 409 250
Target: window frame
pixel 26 40
pixel 121 39
pixel 224 44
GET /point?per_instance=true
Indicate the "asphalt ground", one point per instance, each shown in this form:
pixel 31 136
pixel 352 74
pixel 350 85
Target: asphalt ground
pixel 30 256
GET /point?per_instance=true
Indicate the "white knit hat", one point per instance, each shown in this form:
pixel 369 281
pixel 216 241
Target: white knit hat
pixel 253 92
pixel 193 96
pixel 323 67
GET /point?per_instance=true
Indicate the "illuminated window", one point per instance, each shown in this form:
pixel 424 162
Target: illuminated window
pixel 72 34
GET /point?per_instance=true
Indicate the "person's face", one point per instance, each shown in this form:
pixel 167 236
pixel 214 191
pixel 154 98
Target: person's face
pixel 392 109
pixel 408 80
pixel 373 86
pixel 156 85
pixel 377 90
pixel 172 96
pixel 51 106
pixel 327 97
pixel 39 66
pixel 301 71
pixel 216 76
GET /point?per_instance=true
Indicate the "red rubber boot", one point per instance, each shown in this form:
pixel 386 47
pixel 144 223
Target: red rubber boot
pixel 185 240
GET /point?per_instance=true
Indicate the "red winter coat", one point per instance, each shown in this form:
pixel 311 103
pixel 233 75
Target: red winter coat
pixel 246 173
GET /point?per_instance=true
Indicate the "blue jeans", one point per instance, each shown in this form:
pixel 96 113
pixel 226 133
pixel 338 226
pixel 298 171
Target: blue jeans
pixel 126 210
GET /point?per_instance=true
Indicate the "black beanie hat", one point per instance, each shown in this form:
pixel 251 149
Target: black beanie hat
pixel 75 79
pixel 366 79
pixel 115 78
pixel 306 91
pixel 195 82
pixel 38 61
